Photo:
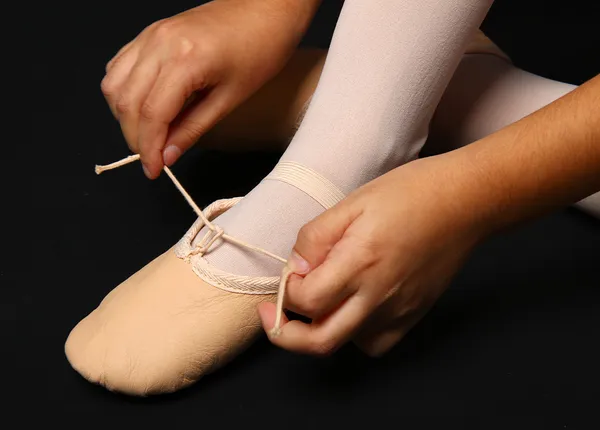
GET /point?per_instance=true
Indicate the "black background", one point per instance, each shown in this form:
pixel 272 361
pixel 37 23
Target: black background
pixel 513 344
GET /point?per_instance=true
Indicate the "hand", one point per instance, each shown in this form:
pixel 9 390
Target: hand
pixel 375 263
pixel 369 268
pixel 181 75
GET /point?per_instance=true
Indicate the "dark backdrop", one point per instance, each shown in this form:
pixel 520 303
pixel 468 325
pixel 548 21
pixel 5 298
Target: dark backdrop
pixel 513 344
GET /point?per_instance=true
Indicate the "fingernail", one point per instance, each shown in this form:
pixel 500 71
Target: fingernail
pixel 298 264
pixel 146 171
pixel 171 154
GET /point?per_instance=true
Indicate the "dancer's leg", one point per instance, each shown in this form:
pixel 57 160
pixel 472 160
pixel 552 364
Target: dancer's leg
pixel 398 82
pixel 388 65
pixel 487 93
pixel 269 119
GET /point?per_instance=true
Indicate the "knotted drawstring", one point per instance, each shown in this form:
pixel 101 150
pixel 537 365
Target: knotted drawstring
pixel 216 233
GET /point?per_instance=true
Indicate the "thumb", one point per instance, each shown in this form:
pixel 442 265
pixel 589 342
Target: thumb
pixel 200 114
pixel 316 239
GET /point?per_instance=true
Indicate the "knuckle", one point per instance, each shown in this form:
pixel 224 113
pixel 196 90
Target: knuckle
pixel 162 29
pixel 133 146
pixel 372 350
pixel 123 105
pixel 311 305
pixel 152 26
pixel 322 347
pixel 310 233
pixel 379 344
pixel 148 111
pixel 183 47
pixel 192 130
pixel 107 87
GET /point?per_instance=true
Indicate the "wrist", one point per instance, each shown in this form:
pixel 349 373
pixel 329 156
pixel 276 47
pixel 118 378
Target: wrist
pixel 465 198
pixel 450 199
pixel 487 203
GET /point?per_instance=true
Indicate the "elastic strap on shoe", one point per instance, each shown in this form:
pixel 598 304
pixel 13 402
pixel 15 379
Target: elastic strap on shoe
pixel 307 180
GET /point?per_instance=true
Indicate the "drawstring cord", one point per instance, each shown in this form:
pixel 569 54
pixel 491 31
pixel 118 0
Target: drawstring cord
pixel 215 233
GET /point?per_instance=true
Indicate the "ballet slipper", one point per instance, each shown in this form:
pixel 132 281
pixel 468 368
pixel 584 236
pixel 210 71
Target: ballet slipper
pixel 165 327
pixel 161 330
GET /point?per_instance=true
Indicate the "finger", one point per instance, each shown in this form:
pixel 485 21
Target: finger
pixel 165 101
pixel 267 312
pixel 317 238
pixel 133 93
pixel 135 42
pixel 378 338
pixel 324 288
pixel 322 337
pixel 331 279
pixel 118 55
pixel 196 120
pixel 113 80
pixel 377 344
pixel 381 331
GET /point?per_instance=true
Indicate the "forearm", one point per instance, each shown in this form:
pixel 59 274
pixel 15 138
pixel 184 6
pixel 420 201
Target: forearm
pixel 547 160
pixel 303 10
pixel 293 16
